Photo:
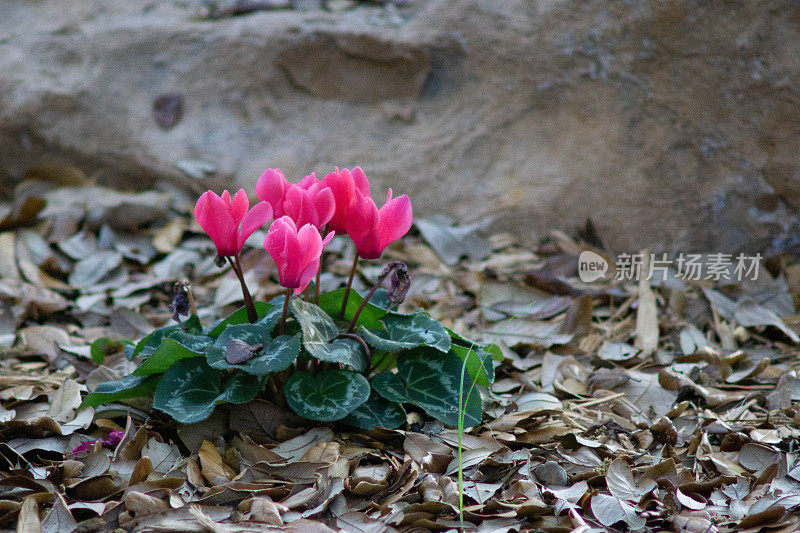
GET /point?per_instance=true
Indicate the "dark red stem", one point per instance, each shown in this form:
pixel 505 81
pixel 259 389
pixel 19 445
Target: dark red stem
pixel 349 284
pixel 236 266
pixel 282 326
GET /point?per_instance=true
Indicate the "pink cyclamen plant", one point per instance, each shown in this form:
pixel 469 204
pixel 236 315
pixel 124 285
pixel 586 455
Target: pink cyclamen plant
pixel 307 202
pixel 230 221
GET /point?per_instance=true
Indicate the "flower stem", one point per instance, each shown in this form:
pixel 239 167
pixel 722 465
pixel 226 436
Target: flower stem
pixel 316 285
pixel 349 284
pixel 323 233
pixel 252 315
pixel 282 326
pixel 388 270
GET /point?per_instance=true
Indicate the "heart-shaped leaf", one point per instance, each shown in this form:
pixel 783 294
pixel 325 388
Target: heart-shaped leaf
pixel 274 355
pixel 432 382
pixel 105 346
pixel 319 332
pixel 377 412
pixel 177 346
pixel 479 363
pixel 402 332
pixel 330 395
pixel 128 387
pixel 240 317
pixel 148 345
pixel 391 387
pixel 190 389
pixel 192 325
pixel 493 349
pixel 331 303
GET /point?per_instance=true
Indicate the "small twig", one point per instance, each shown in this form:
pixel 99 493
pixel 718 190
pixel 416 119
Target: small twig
pixel 601 400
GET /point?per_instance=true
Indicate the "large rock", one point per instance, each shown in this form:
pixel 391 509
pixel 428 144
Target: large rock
pixel 671 125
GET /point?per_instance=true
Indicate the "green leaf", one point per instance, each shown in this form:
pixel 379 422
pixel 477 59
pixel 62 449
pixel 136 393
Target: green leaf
pixel 331 303
pixel 172 350
pixel 432 382
pixel 105 346
pixel 330 395
pixel 195 343
pixel 275 355
pixel 497 353
pixel 381 300
pixel 128 387
pixel 271 317
pixel 403 332
pixel 319 331
pixel 239 317
pixel 190 390
pixel 391 387
pixel 479 363
pixel 377 412
pixel 148 345
pixel 193 326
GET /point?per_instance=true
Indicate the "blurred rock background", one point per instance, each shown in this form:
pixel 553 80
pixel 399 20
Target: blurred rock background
pixel 670 124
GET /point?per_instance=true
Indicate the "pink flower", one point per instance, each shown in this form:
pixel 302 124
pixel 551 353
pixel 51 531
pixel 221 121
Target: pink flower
pixel 270 188
pixel 306 202
pixel 372 229
pixel 113 439
pixel 344 185
pixel 228 221
pixel 296 252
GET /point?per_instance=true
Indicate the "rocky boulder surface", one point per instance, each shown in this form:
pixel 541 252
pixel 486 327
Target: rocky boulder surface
pixel 671 125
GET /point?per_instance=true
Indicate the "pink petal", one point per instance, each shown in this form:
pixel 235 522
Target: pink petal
pixel 360 180
pixel 306 276
pixel 308 213
pixel 343 188
pixel 325 205
pixel 114 438
pixel 254 219
pixel 214 216
pixel 395 219
pixel 310 244
pixel 270 188
pixel 362 216
pixel 282 244
pixel 308 181
pixel 239 206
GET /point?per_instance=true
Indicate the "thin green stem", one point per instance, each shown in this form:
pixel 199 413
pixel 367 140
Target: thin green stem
pixel 462 410
pixel 349 284
pixel 282 324
pixel 236 266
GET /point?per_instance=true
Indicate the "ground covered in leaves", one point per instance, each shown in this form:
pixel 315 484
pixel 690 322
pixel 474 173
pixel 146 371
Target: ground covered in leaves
pixel 662 405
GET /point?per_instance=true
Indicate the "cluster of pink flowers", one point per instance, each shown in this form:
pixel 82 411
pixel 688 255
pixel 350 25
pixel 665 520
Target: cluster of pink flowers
pixel 307 215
